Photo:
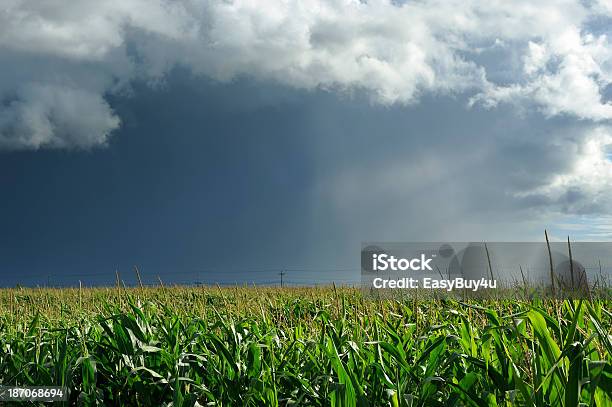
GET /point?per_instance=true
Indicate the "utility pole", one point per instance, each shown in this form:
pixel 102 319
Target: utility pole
pixel 281 274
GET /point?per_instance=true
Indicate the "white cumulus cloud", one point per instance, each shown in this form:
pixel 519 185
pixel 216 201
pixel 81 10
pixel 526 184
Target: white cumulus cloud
pixel 585 186
pixel 61 60
pixel 51 116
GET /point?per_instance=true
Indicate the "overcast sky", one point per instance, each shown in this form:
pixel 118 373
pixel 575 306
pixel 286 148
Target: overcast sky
pixel 228 136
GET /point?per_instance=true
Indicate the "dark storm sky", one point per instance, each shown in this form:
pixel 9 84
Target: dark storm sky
pixel 234 182
pixel 225 141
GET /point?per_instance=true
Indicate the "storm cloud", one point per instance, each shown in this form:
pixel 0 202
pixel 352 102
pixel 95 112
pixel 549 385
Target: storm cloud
pixel 549 64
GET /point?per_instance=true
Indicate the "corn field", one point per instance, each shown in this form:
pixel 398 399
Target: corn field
pixel 321 346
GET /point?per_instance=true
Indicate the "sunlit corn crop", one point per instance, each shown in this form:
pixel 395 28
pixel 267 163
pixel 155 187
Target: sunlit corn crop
pixel 256 346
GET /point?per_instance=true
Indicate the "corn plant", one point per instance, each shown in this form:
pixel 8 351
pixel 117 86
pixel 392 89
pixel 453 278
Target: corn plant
pixel 182 346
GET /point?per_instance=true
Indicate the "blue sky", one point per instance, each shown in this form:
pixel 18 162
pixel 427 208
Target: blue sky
pixel 219 141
